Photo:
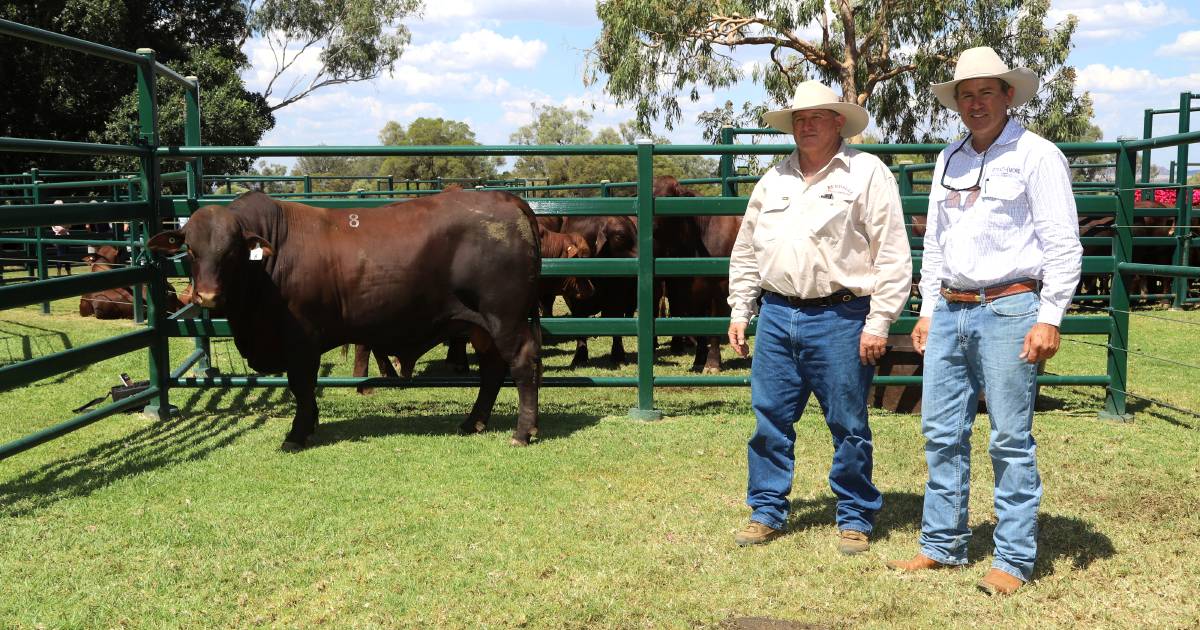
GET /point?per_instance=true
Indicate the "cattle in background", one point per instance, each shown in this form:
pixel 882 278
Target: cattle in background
pixel 295 281
pixel 114 303
pixel 696 237
pixel 563 245
pixel 1139 286
pixel 608 237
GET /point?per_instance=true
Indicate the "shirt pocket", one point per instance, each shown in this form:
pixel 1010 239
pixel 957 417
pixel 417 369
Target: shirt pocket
pixel 1007 207
pixel 772 219
pixel 827 217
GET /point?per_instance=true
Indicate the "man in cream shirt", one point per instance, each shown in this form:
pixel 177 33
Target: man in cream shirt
pixel 823 259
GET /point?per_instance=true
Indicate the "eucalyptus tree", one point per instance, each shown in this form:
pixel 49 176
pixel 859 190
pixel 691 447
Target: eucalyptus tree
pixel 882 54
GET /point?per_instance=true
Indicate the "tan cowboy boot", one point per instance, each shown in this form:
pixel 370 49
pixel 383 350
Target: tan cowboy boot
pixel 997 582
pixel 920 562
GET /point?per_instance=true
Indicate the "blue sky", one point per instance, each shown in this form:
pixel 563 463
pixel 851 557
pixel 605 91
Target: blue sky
pixel 486 62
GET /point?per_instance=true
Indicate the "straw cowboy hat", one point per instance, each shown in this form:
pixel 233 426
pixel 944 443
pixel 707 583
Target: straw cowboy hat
pixel 813 95
pixel 984 63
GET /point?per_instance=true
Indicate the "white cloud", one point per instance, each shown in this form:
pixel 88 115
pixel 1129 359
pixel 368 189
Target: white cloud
pixel 1187 44
pixel 1101 19
pixel 1101 78
pixel 479 49
pixel 475 12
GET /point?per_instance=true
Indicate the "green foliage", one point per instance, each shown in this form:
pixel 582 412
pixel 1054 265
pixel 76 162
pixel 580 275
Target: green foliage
pixel 561 126
pixel 434 131
pixel 345 169
pixel 58 94
pixel 882 54
pixel 229 114
pixel 359 39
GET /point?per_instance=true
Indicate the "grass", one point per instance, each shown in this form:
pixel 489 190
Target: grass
pixel 393 521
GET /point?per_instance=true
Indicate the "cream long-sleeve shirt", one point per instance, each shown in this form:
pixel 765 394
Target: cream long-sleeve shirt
pixel 842 230
pixel 1022 222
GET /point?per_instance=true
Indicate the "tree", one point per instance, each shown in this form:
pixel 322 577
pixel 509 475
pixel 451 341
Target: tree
pixel 562 126
pixel 883 54
pixel 345 169
pixel 58 94
pixel 434 131
pixel 359 39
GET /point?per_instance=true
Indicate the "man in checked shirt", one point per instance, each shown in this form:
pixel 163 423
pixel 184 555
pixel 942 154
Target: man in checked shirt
pixel 823 258
pixel 1001 261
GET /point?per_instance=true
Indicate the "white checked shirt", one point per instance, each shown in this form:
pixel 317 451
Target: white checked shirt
pixel 1021 224
pixel 842 229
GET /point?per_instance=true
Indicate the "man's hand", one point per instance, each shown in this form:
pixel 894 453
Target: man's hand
pixel 870 348
pixel 920 334
pixel 1040 344
pixel 737 338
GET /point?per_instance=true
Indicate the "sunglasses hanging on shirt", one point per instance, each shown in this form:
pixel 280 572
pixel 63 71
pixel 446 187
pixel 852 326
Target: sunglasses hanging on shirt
pixel 955 196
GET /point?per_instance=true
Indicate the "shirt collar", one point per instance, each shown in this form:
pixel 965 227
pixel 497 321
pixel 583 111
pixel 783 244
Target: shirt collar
pixel 842 155
pixel 1011 133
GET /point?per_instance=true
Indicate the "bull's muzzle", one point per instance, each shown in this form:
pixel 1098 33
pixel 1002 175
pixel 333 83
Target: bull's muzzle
pixel 207 299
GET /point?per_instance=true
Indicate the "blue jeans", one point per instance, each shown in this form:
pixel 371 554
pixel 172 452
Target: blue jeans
pixel 798 352
pixel 973 347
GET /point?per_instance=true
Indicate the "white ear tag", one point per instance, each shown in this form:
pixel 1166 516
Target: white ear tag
pixel 256 253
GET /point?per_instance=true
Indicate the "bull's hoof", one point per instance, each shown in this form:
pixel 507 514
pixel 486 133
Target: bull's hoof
pixel 712 370
pixel 517 442
pixel 289 446
pixel 471 427
pixel 366 391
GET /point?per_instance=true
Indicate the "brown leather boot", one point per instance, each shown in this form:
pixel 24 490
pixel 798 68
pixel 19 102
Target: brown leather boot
pixel 756 533
pixel 997 582
pixel 919 562
pixel 852 542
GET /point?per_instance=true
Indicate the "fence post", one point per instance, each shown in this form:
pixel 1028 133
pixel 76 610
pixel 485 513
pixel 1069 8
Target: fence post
pixel 195 170
pixel 159 360
pixel 1147 132
pixel 1179 285
pixel 42 273
pixel 645 283
pixel 1118 299
pixel 605 190
pixel 728 188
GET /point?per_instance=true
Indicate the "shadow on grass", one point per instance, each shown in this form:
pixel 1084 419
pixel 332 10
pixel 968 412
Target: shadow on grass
pixel 192 436
pixel 1058 536
pixel 550 426
pixel 32 345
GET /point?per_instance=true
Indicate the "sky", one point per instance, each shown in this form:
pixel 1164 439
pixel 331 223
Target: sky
pixel 489 62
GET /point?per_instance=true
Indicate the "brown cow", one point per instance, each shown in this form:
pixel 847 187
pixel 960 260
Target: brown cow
pixel 295 281
pixel 114 303
pixel 560 245
pixel 608 237
pixel 696 237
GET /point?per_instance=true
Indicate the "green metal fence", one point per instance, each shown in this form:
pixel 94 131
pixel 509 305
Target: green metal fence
pixel 149 209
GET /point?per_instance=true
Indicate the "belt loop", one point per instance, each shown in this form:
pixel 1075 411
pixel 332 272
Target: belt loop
pixel 983 295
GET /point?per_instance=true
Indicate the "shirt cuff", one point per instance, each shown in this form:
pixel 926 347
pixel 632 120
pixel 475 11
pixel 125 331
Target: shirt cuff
pixel 927 306
pixel 877 326
pixel 741 314
pixel 1050 314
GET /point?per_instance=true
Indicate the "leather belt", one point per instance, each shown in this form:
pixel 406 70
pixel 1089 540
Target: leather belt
pixel 841 297
pixel 987 294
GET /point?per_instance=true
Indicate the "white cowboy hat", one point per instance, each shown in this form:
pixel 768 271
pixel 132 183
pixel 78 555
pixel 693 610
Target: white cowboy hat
pixel 984 63
pixel 813 95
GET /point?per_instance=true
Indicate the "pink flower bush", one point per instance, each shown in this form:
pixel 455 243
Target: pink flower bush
pixel 1167 196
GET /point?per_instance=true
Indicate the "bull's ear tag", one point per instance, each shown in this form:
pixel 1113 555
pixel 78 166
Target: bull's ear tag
pixel 256 253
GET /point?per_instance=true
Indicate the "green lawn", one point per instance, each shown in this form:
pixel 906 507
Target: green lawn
pixel 393 521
